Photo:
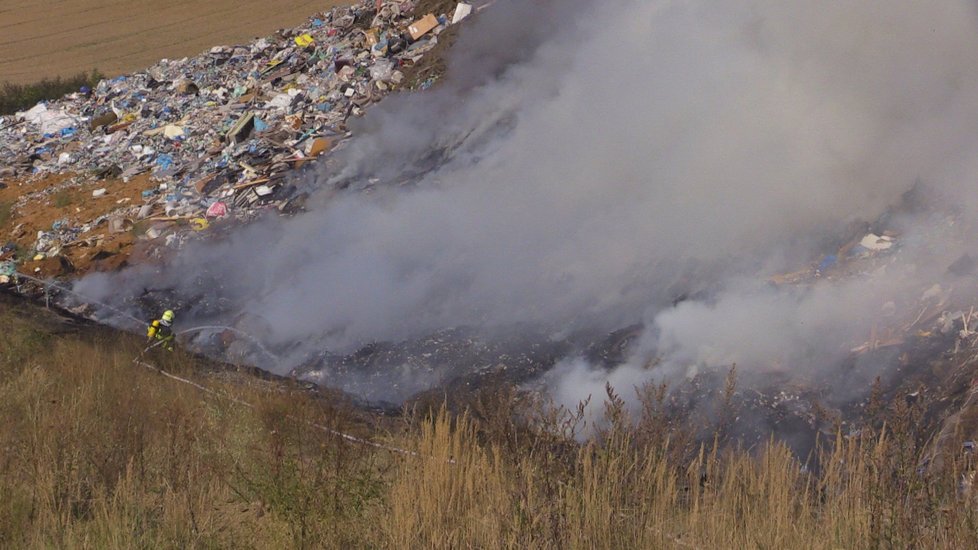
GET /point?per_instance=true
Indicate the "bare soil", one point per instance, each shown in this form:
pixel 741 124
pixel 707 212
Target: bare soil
pixel 99 249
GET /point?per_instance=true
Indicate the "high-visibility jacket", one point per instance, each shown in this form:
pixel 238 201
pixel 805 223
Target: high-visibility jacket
pixel 161 331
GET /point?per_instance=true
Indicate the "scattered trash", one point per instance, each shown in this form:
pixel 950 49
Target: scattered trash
pixel 462 10
pixel 49 121
pixel 105 119
pixel 422 26
pixel 827 263
pixel 217 210
pixel 305 40
pixel 185 87
pixel 171 131
pixel 912 398
pixel 242 129
pixel 120 225
pixel 8 268
pixel 318 146
pixel 876 242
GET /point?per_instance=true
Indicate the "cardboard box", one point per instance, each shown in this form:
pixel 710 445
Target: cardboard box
pixel 422 26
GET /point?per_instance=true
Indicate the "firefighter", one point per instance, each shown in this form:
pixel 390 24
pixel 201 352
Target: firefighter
pixel 161 330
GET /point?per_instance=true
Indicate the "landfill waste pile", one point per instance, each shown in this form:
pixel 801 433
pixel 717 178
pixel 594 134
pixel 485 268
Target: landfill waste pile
pixel 157 156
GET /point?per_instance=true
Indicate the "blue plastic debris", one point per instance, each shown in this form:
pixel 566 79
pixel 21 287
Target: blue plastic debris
pixel 827 262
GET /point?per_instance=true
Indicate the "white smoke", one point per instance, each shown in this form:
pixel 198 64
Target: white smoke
pixel 605 158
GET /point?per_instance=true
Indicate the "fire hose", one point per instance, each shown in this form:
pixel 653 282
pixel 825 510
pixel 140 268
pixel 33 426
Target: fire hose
pixel 138 360
pixel 342 435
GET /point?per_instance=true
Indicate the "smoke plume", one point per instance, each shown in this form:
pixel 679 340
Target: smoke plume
pixel 591 165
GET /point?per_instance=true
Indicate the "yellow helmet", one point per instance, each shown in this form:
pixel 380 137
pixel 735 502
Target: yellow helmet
pixel 168 316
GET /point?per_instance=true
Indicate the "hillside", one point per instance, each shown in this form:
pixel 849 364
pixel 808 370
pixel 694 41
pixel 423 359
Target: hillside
pixel 101 453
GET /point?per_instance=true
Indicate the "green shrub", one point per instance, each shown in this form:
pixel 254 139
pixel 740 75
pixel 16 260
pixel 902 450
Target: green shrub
pixel 62 199
pixel 6 212
pixel 18 97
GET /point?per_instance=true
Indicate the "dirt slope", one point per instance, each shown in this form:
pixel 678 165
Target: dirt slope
pixel 64 37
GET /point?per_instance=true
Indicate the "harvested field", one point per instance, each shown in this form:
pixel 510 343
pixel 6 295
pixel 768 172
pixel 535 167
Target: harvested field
pixel 119 36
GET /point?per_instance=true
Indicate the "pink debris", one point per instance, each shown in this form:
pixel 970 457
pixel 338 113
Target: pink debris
pixel 217 210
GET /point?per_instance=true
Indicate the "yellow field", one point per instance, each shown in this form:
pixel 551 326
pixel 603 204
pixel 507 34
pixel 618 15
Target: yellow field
pixel 62 37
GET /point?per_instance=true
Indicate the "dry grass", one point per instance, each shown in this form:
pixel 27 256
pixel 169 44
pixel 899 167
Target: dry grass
pixel 625 494
pixel 97 453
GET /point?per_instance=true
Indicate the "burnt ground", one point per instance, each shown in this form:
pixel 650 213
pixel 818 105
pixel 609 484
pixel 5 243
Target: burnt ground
pixel 924 378
pixel 928 384
pixel 928 381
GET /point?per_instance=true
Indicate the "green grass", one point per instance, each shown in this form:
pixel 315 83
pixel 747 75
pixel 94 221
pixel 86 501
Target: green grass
pixel 6 212
pixel 140 228
pixel 18 97
pixel 62 199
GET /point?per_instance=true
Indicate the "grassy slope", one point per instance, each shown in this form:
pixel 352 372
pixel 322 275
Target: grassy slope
pixel 98 453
